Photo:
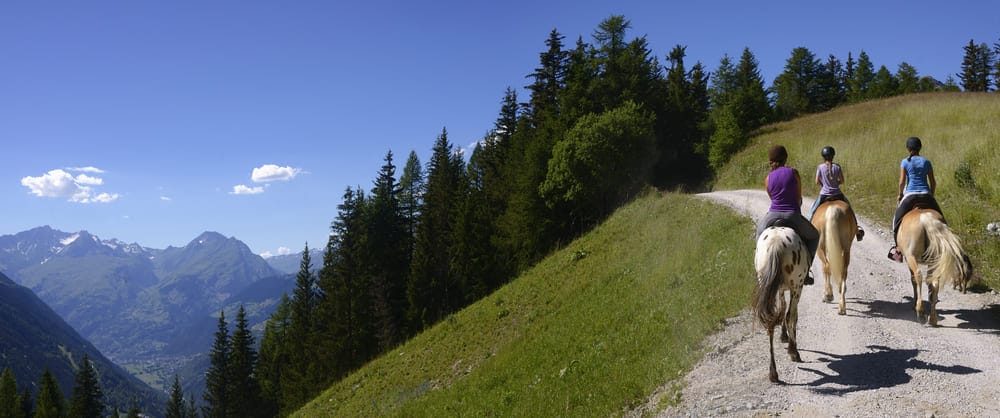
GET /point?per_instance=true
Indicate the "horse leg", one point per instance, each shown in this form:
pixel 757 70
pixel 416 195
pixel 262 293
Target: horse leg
pixel 773 376
pixel 791 320
pixel 843 285
pixel 784 316
pixel 932 295
pixel 917 282
pixel 827 285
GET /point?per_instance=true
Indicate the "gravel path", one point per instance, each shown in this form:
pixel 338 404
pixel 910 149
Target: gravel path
pixel 877 361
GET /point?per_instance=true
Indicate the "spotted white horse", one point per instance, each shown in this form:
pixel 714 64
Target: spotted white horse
pixel 781 261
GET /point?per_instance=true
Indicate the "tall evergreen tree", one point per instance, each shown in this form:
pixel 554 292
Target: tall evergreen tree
pixel 832 89
pixel 27 404
pixel 175 406
pixel 87 400
pixel 244 393
pixel 411 185
pixel 273 358
pixel 432 291
pixel 10 404
pixel 51 403
pixel 192 409
pixel 859 83
pixel 548 81
pixel 298 383
pixel 884 85
pixel 388 254
pixel 216 396
pixel 346 334
pixel 680 124
pixel 908 79
pixel 977 66
pixel 798 88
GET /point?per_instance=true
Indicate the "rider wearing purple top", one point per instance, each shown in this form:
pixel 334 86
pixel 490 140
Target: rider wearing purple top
pixel 784 186
pixel 829 176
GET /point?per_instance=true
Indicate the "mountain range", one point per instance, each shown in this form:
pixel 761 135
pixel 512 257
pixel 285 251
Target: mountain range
pixel 152 311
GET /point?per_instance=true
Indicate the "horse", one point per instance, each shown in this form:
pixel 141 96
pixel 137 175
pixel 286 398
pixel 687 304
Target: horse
pixel 925 239
pixel 781 261
pixel 837 226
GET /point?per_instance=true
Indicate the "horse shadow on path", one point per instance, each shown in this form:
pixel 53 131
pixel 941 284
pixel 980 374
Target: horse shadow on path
pixel 882 367
pixel 985 319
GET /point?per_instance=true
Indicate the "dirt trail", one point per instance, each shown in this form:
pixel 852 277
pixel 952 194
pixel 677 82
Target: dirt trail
pixel 875 361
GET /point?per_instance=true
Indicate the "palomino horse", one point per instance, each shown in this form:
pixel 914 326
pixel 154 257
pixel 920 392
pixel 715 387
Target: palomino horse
pixel 781 261
pixel 924 238
pixel 837 226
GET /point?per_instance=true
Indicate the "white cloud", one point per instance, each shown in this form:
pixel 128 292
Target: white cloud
pixel 242 189
pixel 59 183
pixel 284 251
pixel 90 181
pixel 87 169
pixel 270 172
pixel 266 254
pixel 165 198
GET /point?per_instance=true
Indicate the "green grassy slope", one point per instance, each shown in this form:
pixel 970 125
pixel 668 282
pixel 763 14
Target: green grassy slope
pixel 960 133
pixel 591 330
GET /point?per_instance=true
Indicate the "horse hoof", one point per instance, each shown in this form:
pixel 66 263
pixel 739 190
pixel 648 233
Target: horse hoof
pixel 828 298
pixel 842 312
pixel 773 377
pixel 795 357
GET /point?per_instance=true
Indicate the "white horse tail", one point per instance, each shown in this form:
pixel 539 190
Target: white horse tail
pixel 834 247
pixel 767 261
pixel 944 255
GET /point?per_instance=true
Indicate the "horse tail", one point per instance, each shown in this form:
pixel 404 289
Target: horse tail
pixel 834 245
pixel 768 263
pixel 944 255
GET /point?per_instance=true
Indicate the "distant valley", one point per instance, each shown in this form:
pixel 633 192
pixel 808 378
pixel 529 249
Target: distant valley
pixel 152 311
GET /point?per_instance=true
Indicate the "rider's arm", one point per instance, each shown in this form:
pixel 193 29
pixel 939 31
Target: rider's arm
pixel 902 183
pixel 798 185
pixel 840 176
pixel 930 180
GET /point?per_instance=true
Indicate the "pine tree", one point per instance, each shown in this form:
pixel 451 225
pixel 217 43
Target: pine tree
pixel 216 396
pixel 51 403
pixel 244 393
pixel 87 400
pixel 797 87
pixel 885 85
pixel 977 64
pixel 298 382
pixel 192 410
pixel 431 291
pixel 548 81
pixel 908 79
pixel 10 404
pixel 411 184
pixel 389 259
pixel 273 358
pixel 175 406
pixel 27 404
pixel 860 82
pixel 345 332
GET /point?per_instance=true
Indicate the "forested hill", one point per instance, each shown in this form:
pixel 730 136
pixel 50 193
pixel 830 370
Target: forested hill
pixel 34 338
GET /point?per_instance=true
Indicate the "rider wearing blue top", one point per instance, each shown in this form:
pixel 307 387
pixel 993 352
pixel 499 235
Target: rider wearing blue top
pixel 916 188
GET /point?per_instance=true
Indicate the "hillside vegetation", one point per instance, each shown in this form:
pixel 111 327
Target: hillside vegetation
pixel 599 325
pixel 961 137
pixel 591 330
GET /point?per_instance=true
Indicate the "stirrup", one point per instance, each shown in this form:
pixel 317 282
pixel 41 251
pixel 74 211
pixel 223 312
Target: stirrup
pixel 861 234
pixel 809 278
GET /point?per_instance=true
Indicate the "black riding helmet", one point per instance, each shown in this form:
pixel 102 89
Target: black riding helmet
pixel 828 152
pixel 913 144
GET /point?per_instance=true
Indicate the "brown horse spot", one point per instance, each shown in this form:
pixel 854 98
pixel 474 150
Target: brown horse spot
pixel 789 268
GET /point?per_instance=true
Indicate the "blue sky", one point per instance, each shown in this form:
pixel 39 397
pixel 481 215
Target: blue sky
pixel 152 122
